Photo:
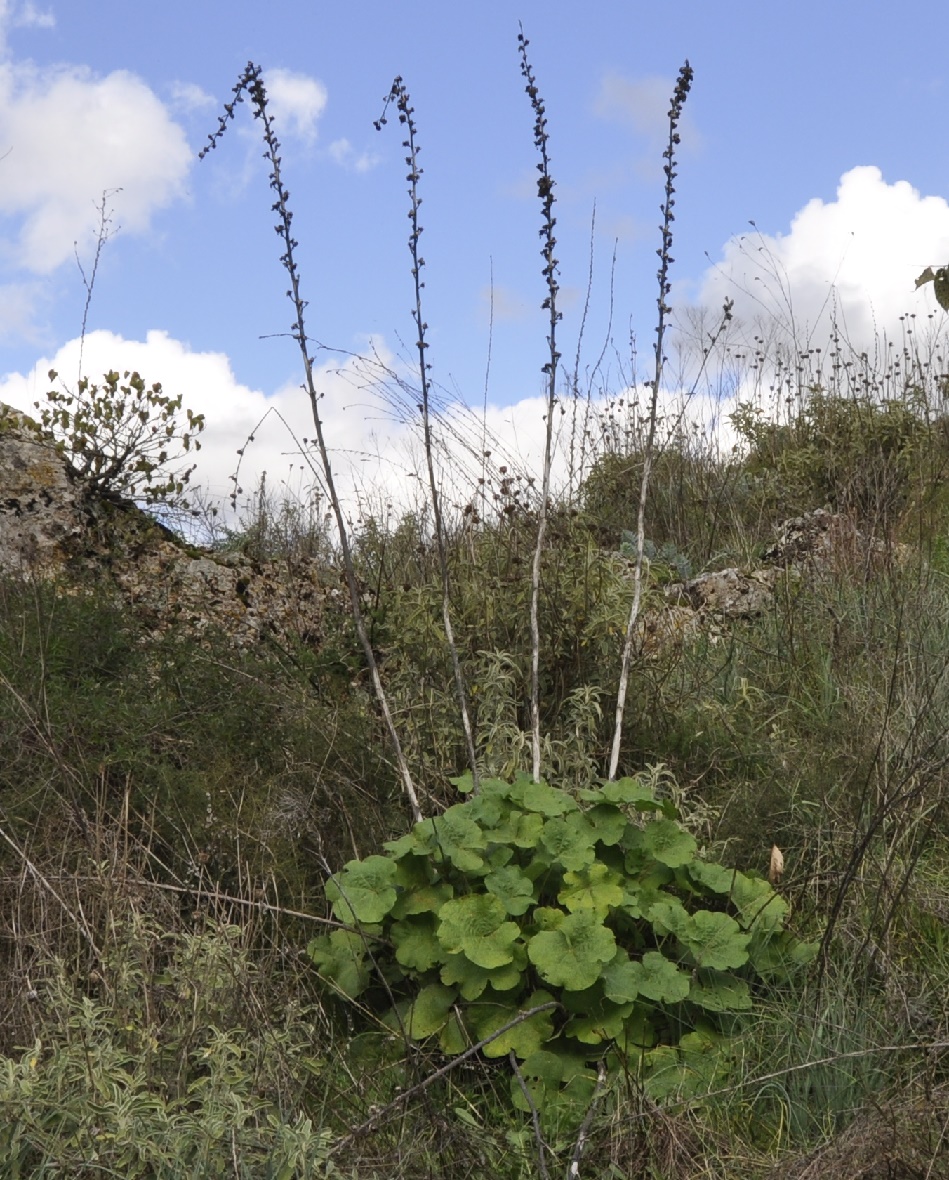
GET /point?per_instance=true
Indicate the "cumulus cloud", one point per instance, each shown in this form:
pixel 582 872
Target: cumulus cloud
pixel 373 448
pixel 855 258
pixel 71 136
pixel 371 424
pixel 233 411
pixel 296 103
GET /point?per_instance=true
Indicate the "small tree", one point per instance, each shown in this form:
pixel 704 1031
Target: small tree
pixel 122 436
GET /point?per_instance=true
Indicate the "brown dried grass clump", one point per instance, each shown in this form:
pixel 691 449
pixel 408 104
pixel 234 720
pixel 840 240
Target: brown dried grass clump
pixel 902 1138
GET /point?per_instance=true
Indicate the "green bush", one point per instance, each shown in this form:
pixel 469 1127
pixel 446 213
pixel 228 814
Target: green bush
pixel 155 1079
pixel 567 931
pixel 120 438
pixel 867 458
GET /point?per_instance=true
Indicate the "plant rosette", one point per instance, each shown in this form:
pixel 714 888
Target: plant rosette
pixel 595 908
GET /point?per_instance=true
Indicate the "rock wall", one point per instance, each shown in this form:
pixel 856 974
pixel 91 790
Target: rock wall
pixel 50 527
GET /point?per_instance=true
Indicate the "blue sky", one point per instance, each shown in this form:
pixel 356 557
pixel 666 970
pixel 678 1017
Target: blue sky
pixel 824 124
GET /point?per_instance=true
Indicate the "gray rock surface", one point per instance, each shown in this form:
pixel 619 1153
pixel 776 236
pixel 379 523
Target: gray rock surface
pixel 49 527
pixel 40 503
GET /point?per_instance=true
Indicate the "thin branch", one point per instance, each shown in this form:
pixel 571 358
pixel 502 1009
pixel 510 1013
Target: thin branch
pixel 370 1123
pixel 251 81
pixel 400 96
pixel 105 232
pixel 683 85
pixel 535 1116
pixel 79 922
pixel 573 1171
pixel 545 191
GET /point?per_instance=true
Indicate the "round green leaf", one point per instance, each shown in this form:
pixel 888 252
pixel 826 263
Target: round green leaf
pixel 654 976
pixel 713 877
pixel 570 841
pixel 364 890
pixel 525 1037
pixel 476 926
pixel 423 899
pixel 603 1021
pixel 341 958
pixel 573 955
pixel 429 1011
pixel 715 940
pixel 547 800
pixel 456 836
pixel 454 1037
pixel 472 979
pixel 760 909
pixel 416 946
pixel 608 822
pixel 545 1066
pixel 595 888
pixel 669 843
pixel 512 888
pixel 628 790
pixel 716 991
pixel 669 916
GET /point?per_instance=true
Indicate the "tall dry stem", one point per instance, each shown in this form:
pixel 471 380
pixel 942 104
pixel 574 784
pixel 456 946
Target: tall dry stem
pixel 400 96
pixel 545 190
pixel 683 85
pixel 251 82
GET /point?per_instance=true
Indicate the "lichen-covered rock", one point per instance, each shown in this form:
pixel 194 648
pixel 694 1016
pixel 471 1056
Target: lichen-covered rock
pixel 814 545
pixel 40 502
pixel 728 593
pixel 51 527
pixel 829 542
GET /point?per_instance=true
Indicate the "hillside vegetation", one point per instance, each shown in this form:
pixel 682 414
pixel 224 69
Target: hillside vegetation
pixel 227 948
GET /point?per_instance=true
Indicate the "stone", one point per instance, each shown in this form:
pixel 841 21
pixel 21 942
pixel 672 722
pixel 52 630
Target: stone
pixel 728 593
pixel 50 526
pixel 40 502
pixel 829 542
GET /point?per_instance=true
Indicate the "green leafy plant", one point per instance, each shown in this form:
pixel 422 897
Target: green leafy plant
pixel 940 281
pixel 154 1078
pixel 569 931
pixel 666 555
pixel 120 436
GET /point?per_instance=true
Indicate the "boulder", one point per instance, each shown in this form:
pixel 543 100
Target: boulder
pixel 40 501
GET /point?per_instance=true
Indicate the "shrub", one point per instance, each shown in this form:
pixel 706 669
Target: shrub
pixel 859 456
pixel 121 436
pixel 565 931
pixel 154 1080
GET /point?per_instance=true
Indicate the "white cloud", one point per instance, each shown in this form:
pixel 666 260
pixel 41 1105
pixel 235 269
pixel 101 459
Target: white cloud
pixel 369 449
pixel 188 96
pixel 28 16
pixel 374 436
pixel 71 136
pixel 343 153
pixel 296 102
pixel 857 257
pixel 20 304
